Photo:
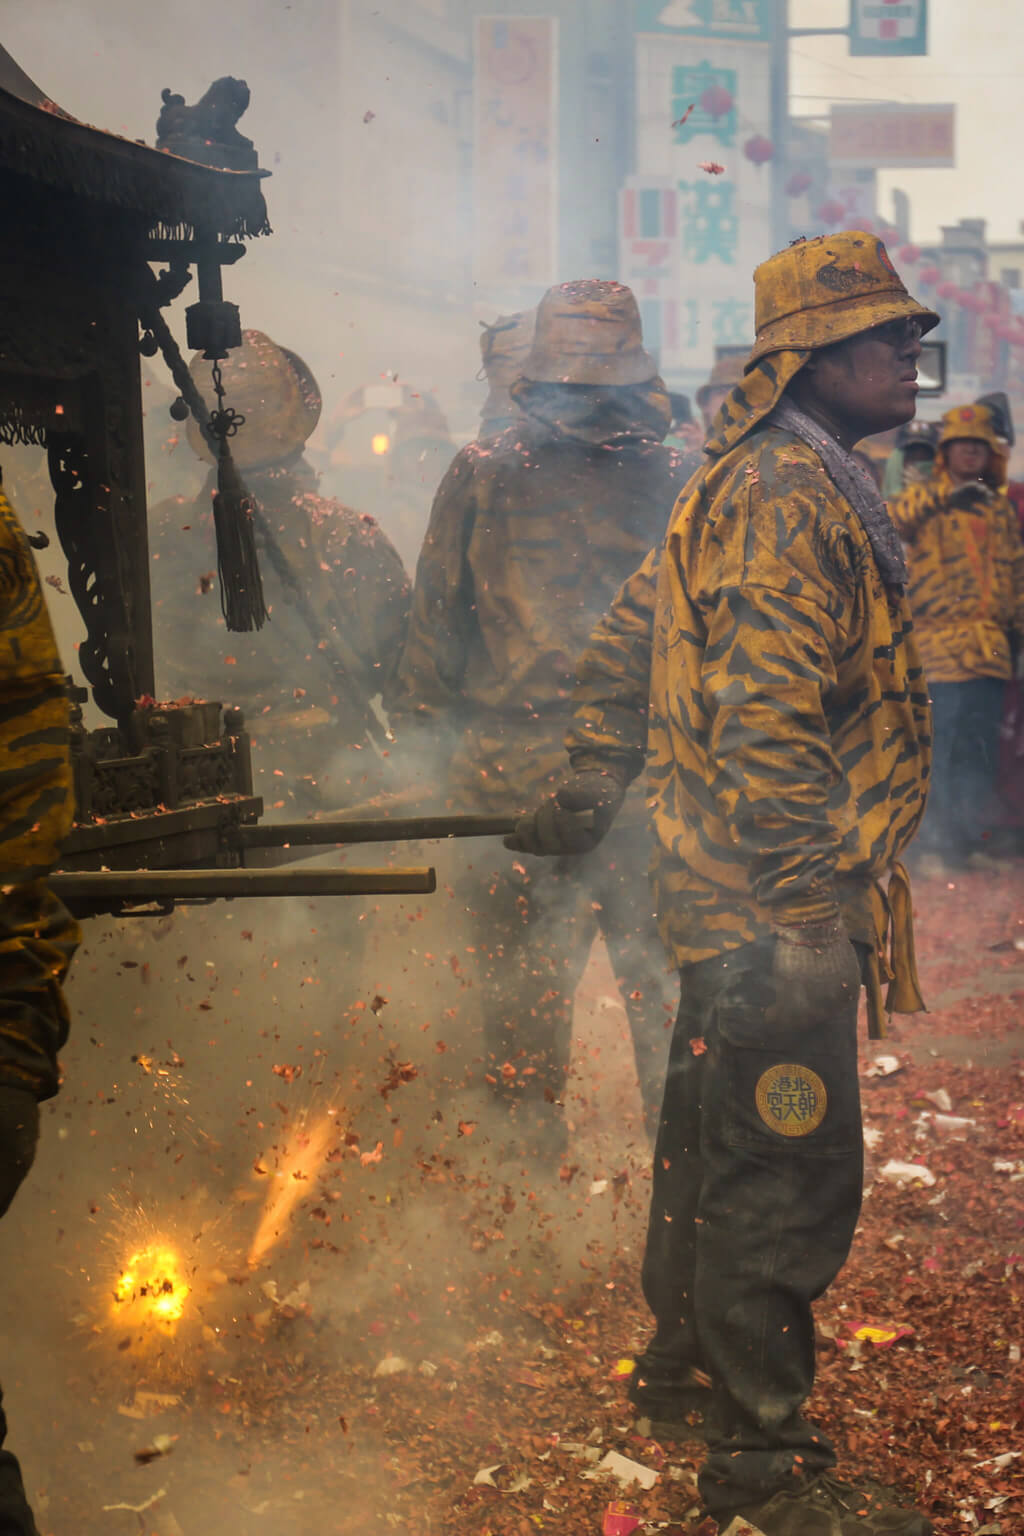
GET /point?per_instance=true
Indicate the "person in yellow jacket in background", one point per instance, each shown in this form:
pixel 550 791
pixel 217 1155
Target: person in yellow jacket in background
pixel 38 936
pixel 966 592
pixel 783 707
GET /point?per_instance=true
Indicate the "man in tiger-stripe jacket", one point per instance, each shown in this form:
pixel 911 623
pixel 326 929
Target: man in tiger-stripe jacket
pixel 37 936
pixel 785 715
pixel 966 561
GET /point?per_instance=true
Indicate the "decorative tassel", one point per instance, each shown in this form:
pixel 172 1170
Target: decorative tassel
pixel 241 587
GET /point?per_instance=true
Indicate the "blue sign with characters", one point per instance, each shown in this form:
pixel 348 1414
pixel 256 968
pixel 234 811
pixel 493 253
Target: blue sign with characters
pixel 689 119
pixel 891 27
pixel 709 223
pixel 749 19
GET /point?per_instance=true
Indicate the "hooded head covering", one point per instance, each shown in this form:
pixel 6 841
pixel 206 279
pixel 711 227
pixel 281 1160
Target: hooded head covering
pixel 588 332
pixel 813 294
pixel 420 419
pixel 504 348
pixel 273 389
pixel 727 371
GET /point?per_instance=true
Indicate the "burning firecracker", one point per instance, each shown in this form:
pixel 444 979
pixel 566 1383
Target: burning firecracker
pixel 151 1287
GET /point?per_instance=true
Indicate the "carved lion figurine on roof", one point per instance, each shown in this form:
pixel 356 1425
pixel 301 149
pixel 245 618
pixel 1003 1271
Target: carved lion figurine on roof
pixel 207 131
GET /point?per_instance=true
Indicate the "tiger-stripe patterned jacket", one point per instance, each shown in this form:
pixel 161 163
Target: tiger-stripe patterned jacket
pixel 37 935
pixel 966 578
pixel 789 731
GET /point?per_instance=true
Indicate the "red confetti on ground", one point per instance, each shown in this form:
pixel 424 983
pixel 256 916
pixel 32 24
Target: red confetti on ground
pixel 474 1391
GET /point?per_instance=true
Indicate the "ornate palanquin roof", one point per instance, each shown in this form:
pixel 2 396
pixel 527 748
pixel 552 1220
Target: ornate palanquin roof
pixel 173 195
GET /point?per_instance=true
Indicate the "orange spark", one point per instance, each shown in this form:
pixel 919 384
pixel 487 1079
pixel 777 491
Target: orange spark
pixel 290 1183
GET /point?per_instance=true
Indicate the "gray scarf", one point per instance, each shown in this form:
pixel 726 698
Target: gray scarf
pixel 853 482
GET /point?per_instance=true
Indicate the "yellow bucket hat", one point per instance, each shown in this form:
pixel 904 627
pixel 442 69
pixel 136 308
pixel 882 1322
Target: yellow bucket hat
pixel 973 421
pixel 817 292
pixel 273 389
pixel 812 294
pixel 588 332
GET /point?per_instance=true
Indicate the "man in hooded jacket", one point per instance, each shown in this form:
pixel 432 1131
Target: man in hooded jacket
pixel 336 591
pixel 766 663
pixel 530 535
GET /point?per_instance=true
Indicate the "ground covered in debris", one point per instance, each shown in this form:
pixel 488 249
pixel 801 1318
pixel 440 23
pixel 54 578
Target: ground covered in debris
pixel 438 1341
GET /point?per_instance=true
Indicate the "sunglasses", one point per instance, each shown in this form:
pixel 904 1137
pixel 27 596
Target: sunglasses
pixel 898 333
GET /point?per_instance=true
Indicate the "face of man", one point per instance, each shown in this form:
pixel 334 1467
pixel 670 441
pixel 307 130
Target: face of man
pixel 866 384
pixel 966 459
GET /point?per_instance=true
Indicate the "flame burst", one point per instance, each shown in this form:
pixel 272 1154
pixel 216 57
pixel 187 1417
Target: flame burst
pixel 151 1287
pixel 290 1183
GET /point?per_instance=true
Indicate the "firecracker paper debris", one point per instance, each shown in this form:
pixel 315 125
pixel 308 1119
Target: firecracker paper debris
pixel 621 1519
pixel 625 1471
pixel 897 1172
pixel 884 1066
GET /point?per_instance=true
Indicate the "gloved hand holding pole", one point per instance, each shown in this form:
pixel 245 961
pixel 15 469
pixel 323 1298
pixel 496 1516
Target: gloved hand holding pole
pixel 574 819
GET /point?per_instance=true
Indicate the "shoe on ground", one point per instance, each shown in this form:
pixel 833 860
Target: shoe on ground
pixel 824 1506
pixel 677 1409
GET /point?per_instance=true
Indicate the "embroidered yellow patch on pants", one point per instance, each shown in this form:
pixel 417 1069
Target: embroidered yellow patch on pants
pixel 791 1099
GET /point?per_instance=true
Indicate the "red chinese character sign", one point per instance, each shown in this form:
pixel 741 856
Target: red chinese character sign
pixel 649 262
pixel 516 141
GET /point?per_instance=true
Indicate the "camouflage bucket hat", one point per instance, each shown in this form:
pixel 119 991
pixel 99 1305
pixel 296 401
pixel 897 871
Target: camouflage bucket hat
pixel 817 292
pixel 970 421
pixel 273 389
pixel 504 348
pixel 726 372
pixel 588 332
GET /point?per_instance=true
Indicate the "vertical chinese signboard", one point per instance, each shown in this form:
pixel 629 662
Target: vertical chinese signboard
pixel 516 151
pixel 649 261
pixel 888 27
pixel 703 91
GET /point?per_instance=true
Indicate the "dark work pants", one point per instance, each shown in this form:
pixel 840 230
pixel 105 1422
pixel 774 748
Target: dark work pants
pixel 535 922
pixel 748 1225
pixel 965 725
pixel 15 1514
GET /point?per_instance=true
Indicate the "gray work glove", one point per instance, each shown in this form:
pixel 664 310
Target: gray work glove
pixel 19 1133
pixel 574 819
pixel 818 973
